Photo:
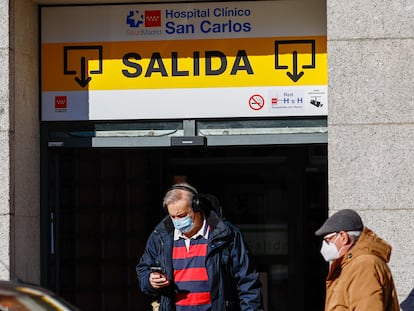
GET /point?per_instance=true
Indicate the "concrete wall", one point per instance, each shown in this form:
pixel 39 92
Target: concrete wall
pixel 371 122
pixel 19 142
pixel 5 182
pixel 26 243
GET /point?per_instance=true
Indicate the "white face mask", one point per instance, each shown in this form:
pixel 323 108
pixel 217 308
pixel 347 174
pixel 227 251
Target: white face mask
pixel 329 250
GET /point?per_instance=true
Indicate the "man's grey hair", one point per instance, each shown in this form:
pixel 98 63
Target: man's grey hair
pixel 176 193
pixel 354 235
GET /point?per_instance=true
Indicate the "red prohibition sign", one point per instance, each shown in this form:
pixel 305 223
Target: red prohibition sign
pixel 256 102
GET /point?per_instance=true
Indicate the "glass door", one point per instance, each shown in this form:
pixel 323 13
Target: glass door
pixel 103 203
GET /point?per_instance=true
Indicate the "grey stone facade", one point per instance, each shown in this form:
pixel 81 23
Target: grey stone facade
pixel 371 121
pixel 19 141
pixel 5 138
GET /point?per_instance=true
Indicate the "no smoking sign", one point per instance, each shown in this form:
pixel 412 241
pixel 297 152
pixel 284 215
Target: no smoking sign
pixel 256 102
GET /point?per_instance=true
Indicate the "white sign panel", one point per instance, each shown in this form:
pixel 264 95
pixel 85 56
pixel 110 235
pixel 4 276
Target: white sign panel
pixel 187 60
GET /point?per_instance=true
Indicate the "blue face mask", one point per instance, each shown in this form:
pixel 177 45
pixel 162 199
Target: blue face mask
pixel 184 224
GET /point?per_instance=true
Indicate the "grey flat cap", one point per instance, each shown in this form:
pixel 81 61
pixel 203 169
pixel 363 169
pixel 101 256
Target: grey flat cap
pixel 344 220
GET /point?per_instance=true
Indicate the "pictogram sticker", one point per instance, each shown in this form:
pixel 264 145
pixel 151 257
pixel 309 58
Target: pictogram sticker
pixel 256 102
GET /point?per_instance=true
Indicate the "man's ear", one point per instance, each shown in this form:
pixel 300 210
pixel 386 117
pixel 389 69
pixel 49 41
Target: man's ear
pixel 346 237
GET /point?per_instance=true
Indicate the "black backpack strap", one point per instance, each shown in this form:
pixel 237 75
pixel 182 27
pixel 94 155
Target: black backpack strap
pixel 210 202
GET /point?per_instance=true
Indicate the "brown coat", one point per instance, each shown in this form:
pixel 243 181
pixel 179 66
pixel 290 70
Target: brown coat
pixel 361 279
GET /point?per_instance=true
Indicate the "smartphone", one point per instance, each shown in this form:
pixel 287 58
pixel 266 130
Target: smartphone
pixel 157 269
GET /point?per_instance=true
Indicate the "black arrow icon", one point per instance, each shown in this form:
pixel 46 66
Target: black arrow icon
pixel 83 81
pixel 84 78
pixel 295 76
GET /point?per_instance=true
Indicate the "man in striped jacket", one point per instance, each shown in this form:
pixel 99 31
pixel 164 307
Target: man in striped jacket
pixel 203 261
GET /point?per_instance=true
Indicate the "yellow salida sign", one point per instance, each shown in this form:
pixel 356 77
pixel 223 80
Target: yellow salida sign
pixel 170 64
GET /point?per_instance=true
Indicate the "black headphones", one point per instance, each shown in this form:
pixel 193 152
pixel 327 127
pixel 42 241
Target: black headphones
pixel 195 203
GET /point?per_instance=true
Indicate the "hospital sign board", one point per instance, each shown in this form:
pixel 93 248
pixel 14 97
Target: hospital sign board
pixel 184 60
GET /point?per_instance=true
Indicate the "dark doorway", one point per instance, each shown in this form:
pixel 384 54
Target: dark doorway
pixel 103 203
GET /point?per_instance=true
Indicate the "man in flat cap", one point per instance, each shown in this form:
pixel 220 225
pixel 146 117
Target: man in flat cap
pixel 359 278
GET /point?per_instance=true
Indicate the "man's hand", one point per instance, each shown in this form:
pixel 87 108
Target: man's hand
pixel 158 280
